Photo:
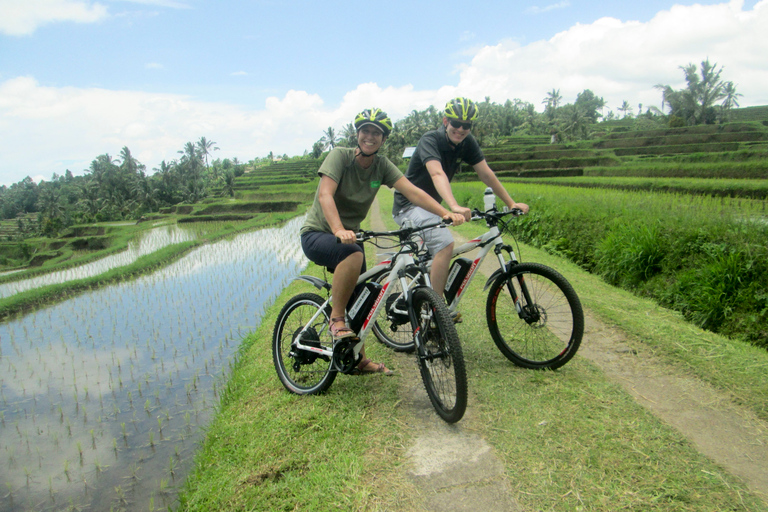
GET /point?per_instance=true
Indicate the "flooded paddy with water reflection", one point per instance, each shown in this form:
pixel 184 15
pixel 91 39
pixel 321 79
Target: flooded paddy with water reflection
pixel 103 397
pixel 148 243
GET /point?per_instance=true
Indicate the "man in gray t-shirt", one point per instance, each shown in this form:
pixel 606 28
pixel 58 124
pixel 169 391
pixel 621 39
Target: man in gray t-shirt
pixel 432 167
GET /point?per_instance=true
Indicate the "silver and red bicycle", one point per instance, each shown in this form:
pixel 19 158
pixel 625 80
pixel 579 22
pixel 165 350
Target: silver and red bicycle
pixel 533 313
pixel 307 360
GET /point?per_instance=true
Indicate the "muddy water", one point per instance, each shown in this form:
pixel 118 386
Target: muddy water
pixel 102 397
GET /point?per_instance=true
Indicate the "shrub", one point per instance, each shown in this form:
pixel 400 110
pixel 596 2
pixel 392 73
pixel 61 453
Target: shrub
pixel 631 254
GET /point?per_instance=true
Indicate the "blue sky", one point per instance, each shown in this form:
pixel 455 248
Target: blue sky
pixel 81 78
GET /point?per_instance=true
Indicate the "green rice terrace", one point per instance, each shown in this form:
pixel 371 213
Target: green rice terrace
pixel 122 342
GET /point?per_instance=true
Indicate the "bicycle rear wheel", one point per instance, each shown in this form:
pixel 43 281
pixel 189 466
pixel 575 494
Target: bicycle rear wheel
pixel 547 329
pixel 393 328
pixel 301 371
pixel 440 358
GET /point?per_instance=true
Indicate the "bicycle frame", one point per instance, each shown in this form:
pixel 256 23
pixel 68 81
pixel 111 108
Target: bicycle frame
pixel 489 241
pixel 396 267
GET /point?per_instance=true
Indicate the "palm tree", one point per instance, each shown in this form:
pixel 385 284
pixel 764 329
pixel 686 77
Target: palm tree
pixel 129 163
pixel 349 136
pixel 90 197
pixel 730 100
pixel 696 102
pixel 667 96
pixel 229 182
pixel 553 99
pixel 206 147
pixel 625 108
pixel 49 201
pixel 329 139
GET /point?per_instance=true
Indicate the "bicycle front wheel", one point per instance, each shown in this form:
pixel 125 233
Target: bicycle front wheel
pixel 544 328
pixel 441 361
pixel 393 328
pixel 302 371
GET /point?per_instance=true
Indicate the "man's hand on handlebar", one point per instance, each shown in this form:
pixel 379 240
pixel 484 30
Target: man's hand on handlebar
pixel 464 212
pixel 521 206
pixel 456 218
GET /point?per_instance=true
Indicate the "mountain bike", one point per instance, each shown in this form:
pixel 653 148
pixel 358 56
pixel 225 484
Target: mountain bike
pixel 307 360
pixel 533 313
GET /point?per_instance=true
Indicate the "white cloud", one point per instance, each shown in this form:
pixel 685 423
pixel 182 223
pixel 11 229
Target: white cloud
pixel 153 65
pixel 239 73
pixel 23 17
pixel 535 9
pixel 47 129
pixel 623 60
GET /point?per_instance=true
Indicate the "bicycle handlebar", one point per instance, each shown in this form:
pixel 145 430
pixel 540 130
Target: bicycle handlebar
pixel 402 233
pixel 495 214
pixel 405 233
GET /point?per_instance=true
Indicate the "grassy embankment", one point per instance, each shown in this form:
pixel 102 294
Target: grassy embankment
pixel 570 439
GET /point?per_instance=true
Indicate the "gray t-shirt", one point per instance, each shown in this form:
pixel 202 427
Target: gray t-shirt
pixel 434 145
pixel 356 190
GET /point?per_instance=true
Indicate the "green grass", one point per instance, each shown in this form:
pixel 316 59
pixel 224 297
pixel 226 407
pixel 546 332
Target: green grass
pixel 757 189
pixel 569 440
pixel 271 450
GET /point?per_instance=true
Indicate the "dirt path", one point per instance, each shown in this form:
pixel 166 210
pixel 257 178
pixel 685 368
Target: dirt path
pixel 462 473
pixel 456 468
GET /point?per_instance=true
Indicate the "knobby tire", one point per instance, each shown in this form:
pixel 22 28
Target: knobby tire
pixel 551 334
pixel 440 358
pixel 303 372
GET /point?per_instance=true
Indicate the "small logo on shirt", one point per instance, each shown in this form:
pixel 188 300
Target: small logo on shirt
pixel 375 184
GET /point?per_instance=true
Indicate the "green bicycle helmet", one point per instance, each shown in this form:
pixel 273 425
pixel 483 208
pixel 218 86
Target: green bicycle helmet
pixel 462 109
pixel 376 117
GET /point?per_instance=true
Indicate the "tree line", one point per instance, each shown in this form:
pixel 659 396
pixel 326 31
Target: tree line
pixel 119 188
pixel 706 99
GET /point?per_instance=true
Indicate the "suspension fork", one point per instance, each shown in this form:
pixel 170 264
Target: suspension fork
pixel 524 304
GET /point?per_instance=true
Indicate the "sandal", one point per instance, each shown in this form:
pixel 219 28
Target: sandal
pixel 362 366
pixel 340 333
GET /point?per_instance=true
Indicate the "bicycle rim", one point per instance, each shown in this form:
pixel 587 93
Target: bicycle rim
pixel 302 372
pixel 552 324
pixel 393 327
pixel 441 361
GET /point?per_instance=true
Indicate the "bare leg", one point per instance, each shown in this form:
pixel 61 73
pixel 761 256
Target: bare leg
pixel 344 281
pixel 440 265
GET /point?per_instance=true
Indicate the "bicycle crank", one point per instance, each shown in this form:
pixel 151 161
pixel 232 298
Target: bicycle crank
pixel 344 358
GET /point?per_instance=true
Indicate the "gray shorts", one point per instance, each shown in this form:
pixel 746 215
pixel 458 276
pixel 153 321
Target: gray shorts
pixel 435 239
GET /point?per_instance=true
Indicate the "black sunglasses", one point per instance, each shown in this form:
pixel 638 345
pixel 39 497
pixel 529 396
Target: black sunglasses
pixel 459 124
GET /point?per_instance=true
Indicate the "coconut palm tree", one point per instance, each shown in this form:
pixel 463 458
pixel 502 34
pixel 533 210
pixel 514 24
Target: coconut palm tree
pixel 206 147
pixel 703 91
pixel 349 136
pixel 730 101
pixel 329 139
pixel 551 102
pixel 625 108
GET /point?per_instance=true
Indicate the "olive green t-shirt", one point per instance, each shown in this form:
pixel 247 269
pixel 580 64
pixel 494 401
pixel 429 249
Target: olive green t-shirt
pixel 356 189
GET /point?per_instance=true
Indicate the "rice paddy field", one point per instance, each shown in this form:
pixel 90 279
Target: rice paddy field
pixel 105 396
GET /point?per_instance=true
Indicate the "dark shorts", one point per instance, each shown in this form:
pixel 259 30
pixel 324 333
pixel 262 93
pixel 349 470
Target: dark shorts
pixel 323 249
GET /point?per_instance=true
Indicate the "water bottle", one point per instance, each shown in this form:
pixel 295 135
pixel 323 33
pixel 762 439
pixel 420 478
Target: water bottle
pixel 489 199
